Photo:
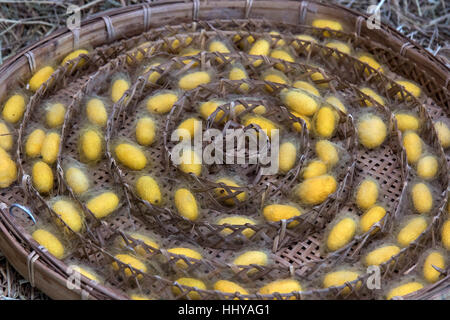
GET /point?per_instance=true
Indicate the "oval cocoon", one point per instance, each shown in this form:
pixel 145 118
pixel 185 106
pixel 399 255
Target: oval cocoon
pixel 316 190
pixel 413 146
pixel 366 194
pixel 96 112
pixel 8 169
pixel 186 204
pixel 434 258
pixel 327 152
pixel 287 156
pixel 148 190
pixel 130 156
pixel 87 273
pixel 6 137
pixel 375 96
pixel 193 80
pixel 411 231
pixel 73 55
pixel 191 125
pixel 381 255
pixel 50 242
pixel 307 87
pixel 190 253
pixel 299 101
pixel 340 278
pixel 251 257
pixel 42 177
pixel 50 147
pixel 54 116
pixel 327 24
pixel 371 62
pixel 91 143
pixel 145 131
pixel 229 287
pixel 103 204
pixel 443 132
pixel 190 162
pixel 206 109
pixel 422 198
pixel 325 122
pixel 277 212
pixel 260 47
pixel 68 212
pixel 265 124
pixel 14 108
pixel 341 234
pixel 281 286
pixel 41 76
pixel 427 167
pixel 370 217
pixel 406 121
pixel 189 282
pixel 162 102
pixel 131 261
pixel 314 169
pixel 221 192
pixel 34 143
pixel 404 289
pixel 445 234
pixel 77 180
pixel 237 220
pixel 118 89
pixel 140 250
pixel 372 131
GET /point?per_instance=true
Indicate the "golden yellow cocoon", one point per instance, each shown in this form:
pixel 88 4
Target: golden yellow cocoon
pixel 68 213
pixel 194 79
pixel 404 289
pixel 372 131
pixel 132 262
pixel 190 253
pixel 239 73
pixel 187 52
pixel 77 180
pixel 327 152
pixel 287 156
pixel 54 116
pixel 103 204
pixel 277 212
pixel 190 162
pixel 85 272
pixel 218 46
pixel 409 86
pixel 207 108
pixel 148 189
pixel 251 257
pixel 299 101
pixel 366 194
pixel 191 125
pixel 186 204
pixel 229 287
pixel 130 156
pixel 237 220
pixel 221 192
pixel 8 169
pixel 380 255
pixel 316 77
pixel 91 143
pixel 411 231
pixel 375 96
pixel 327 24
pixel 73 55
pixel 371 62
pixel 314 168
pixel 50 147
pixel 445 234
pixel 370 217
pixel 413 146
pixel 340 46
pixel 14 108
pixel 118 89
pixel 325 122
pixel 145 131
pixel 274 76
pixel 260 47
pixel 6 137
pixel 96 112
pixel 42 176
pixel 434 258
pixel 50 242
pixel 281 54
pixel 443 133
pixel 161 102
pixel 153 76
pixel 422 198
pixel 340 278
pixel 334 101
pixel 316 190
pixel 137 52
pixel 34 143
pixel 265 124
pixel 308 87
pixel 297 126
pixel 406 121
pixel 41 76
pixel 427 167
pixel 303 37
pixel 341 233
pixel 189 282
pixel 140 250
pixel 281 286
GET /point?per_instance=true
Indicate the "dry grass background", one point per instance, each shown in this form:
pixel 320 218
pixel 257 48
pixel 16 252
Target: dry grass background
pixel 24 21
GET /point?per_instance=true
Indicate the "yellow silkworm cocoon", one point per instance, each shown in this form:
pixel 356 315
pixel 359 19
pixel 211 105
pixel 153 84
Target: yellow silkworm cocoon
pixel 186 204
pixel 91 143
pixel 265 124
pixel 190 162
pixel 132 262
pixel 274 76
pixel 96 112
pixel 299 101
pixel 154 76
pixel 77 180
pixel 239 73
pixel 260 47
pixel 34 143
pixel 371 62
pixel 206 109
pixel 41 76
pixel 42 176
pixel 189 282
pixel 148 189
pixel 411 231
pixel 335 102
pixel 340 46
pixel 427 167
pixel 443 133
pixel 162 102
pixel 281 286
pixel 194 79
pixel 68 213
pixel 422 198
pixel 380 255
pixel 277 212
pixel 50 242
pixel 50 147
pixel 188 252
pixel 229 287
pixel 340 278
pixel 281 54
pixel 139 297
pixel 103 204
pixel 316 190
pixel 325 122
pixel 317 77
pixel 406 121
pixel 14 108
pixel 85 272
pixel 314 169
pixel 375 96
pixel 341 233
pixel 118 89
pixel 327 24
pixel 297 126
pixel 251 257
pixel 278 42
pixel 287 156
pixel 370 217
pixel 130 156
pixel 191 125
pixel 434 258
pixel 404 289
pixel 145 131
pixel 221 192
pixel 54 116
pixel 8 169
pixel 218 46
pixel 445 234
pixel 372 131
pixel 303 37
pixel 304 85
pixel 137 52
pixel 239 221
pixel 327 152
pixel 366 194
pixel 140 250
pixel 413 146
pixel 409 86
pixel 73 55
pixel 6 137
pixel 187 52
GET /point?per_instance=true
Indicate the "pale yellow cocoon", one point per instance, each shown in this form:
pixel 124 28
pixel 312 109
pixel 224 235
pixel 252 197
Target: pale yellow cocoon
pixel 406 121
pixel 304 85
pixel 274 76
pixel 54 116
pixel 370 217
pixel 427 167
pixel 103 204
pixel 68 213
pixel 341 233
pixel 327 24
pixel 193 80
pixel 327 152
pixel 443 133
pixel 145 131
pixel 265 124
pixel 281 286
pixel 277 212
pixel 238 73
pixel 132 262
pixel 260 47
pixel 316 190
pixel 77 180
pixel 299 101
pixel 161 103
pixel 334 101
pixel 366 194
pixel 411 231
pixel 85 272
pixel 189 282
pixel 445 234
pixel 422 198
pixel 237 220
pixel 372 131
pixel 297 126
pixel 371 62
pixel 148 189
pixel 73 55
pixel 34 143
pixel 41 76
pixel 340 278
pixel 251 257
pixel 50 242
pixel 14 108
pixel 314 168
pixel 42 176
pixel 434 258
pixel 287 156
pixel 130 156
pixel 229 287
pixel 221 192
pixel 375 96
pixel 404 289
pixel 140 250
pixel 325 122
pixel 186 204
pixel 118 89
pixel 281 54
pixel 6 137
pixel 380 255
pixel 50 147
pixel 190 162
pixel 91 145
pixel 340 46
pixel 190 253
pixel 413 146
pixel 8 169
pixel 96 112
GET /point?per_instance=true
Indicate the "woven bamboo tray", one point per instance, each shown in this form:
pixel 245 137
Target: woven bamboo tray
pixel 293 252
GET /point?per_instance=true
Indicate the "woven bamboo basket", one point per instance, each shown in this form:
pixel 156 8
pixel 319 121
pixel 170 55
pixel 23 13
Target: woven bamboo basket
pixel 128 40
